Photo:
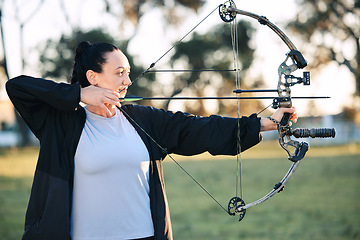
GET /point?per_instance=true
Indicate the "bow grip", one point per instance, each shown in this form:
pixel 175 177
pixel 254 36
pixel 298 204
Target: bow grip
pixel 285 119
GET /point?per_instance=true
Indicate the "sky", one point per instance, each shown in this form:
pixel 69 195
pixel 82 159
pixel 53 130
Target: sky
pixel 153 39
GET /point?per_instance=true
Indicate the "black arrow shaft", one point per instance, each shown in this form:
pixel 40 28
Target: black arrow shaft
pixel 254 90
pixel 191 70
pixel 204 98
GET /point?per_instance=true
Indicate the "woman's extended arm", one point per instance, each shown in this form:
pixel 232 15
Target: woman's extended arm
pixel 188 134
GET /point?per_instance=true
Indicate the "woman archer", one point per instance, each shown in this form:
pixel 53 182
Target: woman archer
pixel 99 173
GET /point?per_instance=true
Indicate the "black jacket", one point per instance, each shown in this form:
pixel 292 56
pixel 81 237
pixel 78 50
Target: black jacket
pixel 52 112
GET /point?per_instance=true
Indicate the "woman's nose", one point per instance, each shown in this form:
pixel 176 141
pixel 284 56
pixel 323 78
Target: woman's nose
pixel 127 81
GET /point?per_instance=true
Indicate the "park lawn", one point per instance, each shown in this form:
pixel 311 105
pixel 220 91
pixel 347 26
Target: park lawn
pixel 321 200
pixel 16 171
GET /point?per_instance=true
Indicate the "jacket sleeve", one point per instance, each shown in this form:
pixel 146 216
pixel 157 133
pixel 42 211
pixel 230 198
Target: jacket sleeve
pixel 33 98
pixel 187 134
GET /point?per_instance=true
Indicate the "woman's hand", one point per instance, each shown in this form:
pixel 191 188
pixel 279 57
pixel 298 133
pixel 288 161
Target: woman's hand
pixel 268 125
pixel 100 98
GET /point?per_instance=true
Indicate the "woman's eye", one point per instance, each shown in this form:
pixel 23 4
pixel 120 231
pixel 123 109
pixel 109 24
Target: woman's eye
pixel 120 73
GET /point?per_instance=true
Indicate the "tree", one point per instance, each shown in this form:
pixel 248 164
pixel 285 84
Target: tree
pixel 56 58
pixel 135 9
pixel 333 29
pixel 23 19
pixel 198 52
pixel 57 55
pixel 3 61
pixel 213 50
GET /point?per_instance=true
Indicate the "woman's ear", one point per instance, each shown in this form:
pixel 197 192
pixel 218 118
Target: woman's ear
pixel 91 77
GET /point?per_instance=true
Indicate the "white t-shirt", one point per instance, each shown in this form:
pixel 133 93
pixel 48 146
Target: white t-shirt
pixel 111 182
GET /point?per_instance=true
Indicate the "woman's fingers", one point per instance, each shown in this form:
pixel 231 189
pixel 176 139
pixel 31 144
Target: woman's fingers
pixel 97 96
pixel 112 97
pixel 278 115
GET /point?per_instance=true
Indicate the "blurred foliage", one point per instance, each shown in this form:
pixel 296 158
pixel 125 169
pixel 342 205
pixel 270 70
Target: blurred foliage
pixel 331 28
pixel 4 74
pixel 214 51
pixel 206 51
pixel 135 9
pixel 57 56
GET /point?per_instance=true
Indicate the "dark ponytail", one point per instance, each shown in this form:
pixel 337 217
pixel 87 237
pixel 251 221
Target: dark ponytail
pixel 89 57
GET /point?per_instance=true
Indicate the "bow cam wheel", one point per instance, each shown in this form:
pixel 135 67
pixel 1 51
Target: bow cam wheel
pixel 234 204
pixel 224 12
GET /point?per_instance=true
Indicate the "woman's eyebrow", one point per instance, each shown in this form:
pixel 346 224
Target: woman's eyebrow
pixel 122 67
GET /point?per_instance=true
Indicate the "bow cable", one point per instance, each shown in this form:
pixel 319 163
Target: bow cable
pixel 173 159
pixel 235 48
pixel 148 135
pixel 152 65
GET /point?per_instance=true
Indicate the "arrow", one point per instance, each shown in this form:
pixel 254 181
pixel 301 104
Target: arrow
pixel 131 98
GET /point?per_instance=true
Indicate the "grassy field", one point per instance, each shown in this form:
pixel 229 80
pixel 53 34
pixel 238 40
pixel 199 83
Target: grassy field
pixel 321 200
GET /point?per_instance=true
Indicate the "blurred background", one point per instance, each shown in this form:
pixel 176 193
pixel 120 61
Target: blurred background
pixel 39 37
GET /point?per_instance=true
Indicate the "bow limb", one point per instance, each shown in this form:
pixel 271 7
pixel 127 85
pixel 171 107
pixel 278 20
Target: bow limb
pixel 240 209
pixel 262 20
pixel 228 13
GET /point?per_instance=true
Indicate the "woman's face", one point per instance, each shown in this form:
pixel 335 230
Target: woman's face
pixel 115 73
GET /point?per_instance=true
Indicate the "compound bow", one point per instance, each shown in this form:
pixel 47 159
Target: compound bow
pixel 228 12
pixel 296 150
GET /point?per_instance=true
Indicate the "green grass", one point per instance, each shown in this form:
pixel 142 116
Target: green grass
pixel 16 170
pixel 321 200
